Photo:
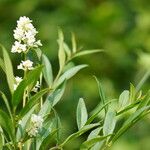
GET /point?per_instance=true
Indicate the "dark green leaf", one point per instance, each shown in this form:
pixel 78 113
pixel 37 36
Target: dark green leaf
pixel 7 124
pixel 30 78
pixel 32 101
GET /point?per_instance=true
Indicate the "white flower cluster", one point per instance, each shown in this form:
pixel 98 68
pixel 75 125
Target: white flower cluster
pixel 17 82
pixel 25 35
pixel 36 125
pixel 26 65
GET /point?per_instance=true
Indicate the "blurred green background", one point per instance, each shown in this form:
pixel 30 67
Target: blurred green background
pixel 120 27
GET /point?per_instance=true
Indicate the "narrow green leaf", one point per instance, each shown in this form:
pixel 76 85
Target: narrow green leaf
pixel 46 141
pixel 31 78
pixel 74 46
pixel 135 115
pixel 124 99
pixel 132 93
pixel 2 65
pixel 81 113
pixel 47 70
pixel 79 133
pixel 88 144
pixel 7 124
pixel 130 122
pixel 101 93
pixel 32 101
pixel 69 73
pixel 8 69
pixel 98 110
pixel 2 140
pixel 87 52
pixel 109 122
pixel 145 101
pixel 61 52
pixel 67 50
pixel 6 103
pixel 94 133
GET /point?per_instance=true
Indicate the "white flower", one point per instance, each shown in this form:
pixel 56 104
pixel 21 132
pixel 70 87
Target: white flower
pixel 25 35
pixel 35 89
pixel 36 125
pixel 37 121
pixel 26 65
pixel 18 47
pixel 17 82
pixel 32 131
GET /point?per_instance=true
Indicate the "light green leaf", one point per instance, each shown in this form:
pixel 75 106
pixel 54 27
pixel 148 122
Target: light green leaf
pixel 81 113
pixel 69 73
pixel 132 93
pixel 31 78
pixel 8 69
pixel 94 133
pixel 87 52
pixel 101 93
pixel 145 101
pixel 2 140
pixel 124 99
pixel 74 46
pixel 109 122
pixel 47 70
pixel 32 101
pixel 61 52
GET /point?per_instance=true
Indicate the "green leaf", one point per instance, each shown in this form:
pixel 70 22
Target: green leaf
pixel 74 46
pixel 46 141
pixel 132 93
pixel 2 140
pixel 94 133
pixel 69 73
pixel 81 113
pixel 47 70
pixel 88 144
pixel 145 101
pixel 6 103
pixel 7 124
pixel 87 52
pixel 67 50
pixel 2 65
pixel 109 122
pixel 101 93
pixel 30 78
pixel 79 133
pixel 97 111
pixel 130 122
pixel 32 101
pixel 8 69
pixel 61 52
pixel 52 99
pixel 124 99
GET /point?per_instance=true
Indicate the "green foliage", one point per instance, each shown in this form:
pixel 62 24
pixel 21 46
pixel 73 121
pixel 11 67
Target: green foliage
pixel 34 121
